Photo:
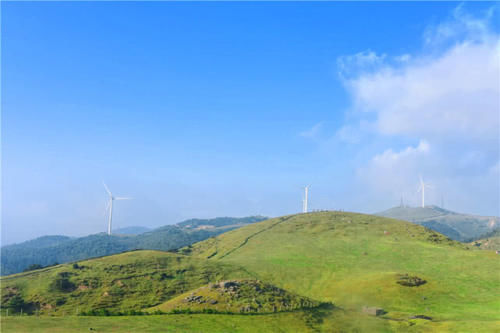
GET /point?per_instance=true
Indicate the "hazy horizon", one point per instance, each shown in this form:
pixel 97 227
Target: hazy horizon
pixel 229 109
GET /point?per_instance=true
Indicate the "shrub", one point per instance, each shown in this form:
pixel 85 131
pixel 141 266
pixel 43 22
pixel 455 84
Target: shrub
pixel 62 283
pixel 16 303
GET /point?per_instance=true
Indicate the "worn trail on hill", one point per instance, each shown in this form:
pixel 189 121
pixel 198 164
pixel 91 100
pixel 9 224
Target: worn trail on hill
pixel 283 219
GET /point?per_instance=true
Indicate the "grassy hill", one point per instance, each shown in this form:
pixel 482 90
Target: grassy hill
pixel 123 282
pixel 421 279
pixel 461 227
pixel 356 260
pixel 48 250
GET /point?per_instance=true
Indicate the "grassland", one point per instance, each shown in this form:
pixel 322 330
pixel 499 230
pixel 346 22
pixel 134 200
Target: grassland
pixel 350 260
pixel 354 260
pixel 122 282
pixel 279 322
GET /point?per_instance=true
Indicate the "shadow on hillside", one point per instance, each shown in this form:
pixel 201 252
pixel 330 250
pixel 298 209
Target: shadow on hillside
pixel 314 317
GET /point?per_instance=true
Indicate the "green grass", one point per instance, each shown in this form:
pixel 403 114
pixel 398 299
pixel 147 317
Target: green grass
pixel 279 322
pixel 338 321
pixel 351 260
pixel 238 296
pixel 354 260
pixel 122 282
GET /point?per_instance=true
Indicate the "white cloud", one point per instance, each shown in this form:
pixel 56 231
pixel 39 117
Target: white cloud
pixel 348 134
pixel 449 93
pixel 461 26
pixel 395 171
pixel 363 61
pixel 456 94
pixel 389 157
pixel 313 132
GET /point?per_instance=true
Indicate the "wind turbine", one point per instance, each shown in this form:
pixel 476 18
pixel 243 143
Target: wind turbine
pixel 421 188
pixel 110 206
pixel 306 195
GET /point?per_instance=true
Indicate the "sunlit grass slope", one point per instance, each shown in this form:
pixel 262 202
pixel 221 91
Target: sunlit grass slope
pixel 302 322
pixel 238 296
pixel 356 260
pixel 122 282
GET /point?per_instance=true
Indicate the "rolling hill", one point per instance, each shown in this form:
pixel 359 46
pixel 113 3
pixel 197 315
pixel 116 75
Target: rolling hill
pixel 380 274
pixel 49 250
pixel 356 260
pixel 461 227
pixel 121 282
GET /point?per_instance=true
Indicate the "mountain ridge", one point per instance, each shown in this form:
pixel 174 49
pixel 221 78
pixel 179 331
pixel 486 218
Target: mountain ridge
pixel 457 226
pixel 48 250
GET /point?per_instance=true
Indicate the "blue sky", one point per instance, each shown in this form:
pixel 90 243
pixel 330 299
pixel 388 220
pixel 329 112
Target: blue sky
pixel 227 109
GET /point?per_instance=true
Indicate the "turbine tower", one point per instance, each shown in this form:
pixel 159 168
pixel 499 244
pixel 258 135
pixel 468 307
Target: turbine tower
pixel 421 188
pixel 304 202
pixel 110 206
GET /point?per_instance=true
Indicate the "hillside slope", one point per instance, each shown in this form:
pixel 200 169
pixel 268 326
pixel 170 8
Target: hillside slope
pixel 489 241
pixel 237 296
pixel 357 260
pixel 461 227
pixel 122 282
pixel 422 280
pixel 48 250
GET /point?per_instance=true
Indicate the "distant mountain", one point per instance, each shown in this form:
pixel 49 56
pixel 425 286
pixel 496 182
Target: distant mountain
pixel 135 230
pixel 457 226
pixel 43 241
pixel 48 250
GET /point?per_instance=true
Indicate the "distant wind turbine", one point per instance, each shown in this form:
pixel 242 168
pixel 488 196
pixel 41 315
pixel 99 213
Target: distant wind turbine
pixel 306 196
pixel 110 206
pixel 421 188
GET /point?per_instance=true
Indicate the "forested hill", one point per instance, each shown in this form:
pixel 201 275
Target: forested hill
pixel 48 250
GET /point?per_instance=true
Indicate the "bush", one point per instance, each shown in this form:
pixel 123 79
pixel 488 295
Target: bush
pixel 62 283
pixel 16 303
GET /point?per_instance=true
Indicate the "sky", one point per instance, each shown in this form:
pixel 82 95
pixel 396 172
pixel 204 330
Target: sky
pixel 198 110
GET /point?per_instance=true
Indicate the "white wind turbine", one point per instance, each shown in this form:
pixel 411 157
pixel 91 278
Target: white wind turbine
pixel 421 188
pixel 110 206
pixel 305 200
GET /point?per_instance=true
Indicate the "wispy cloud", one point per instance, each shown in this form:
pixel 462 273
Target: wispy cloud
pixel 312 132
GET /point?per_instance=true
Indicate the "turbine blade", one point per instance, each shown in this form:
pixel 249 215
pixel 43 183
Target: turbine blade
pixel 107 208
pixel 107 189
pixel 122 198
